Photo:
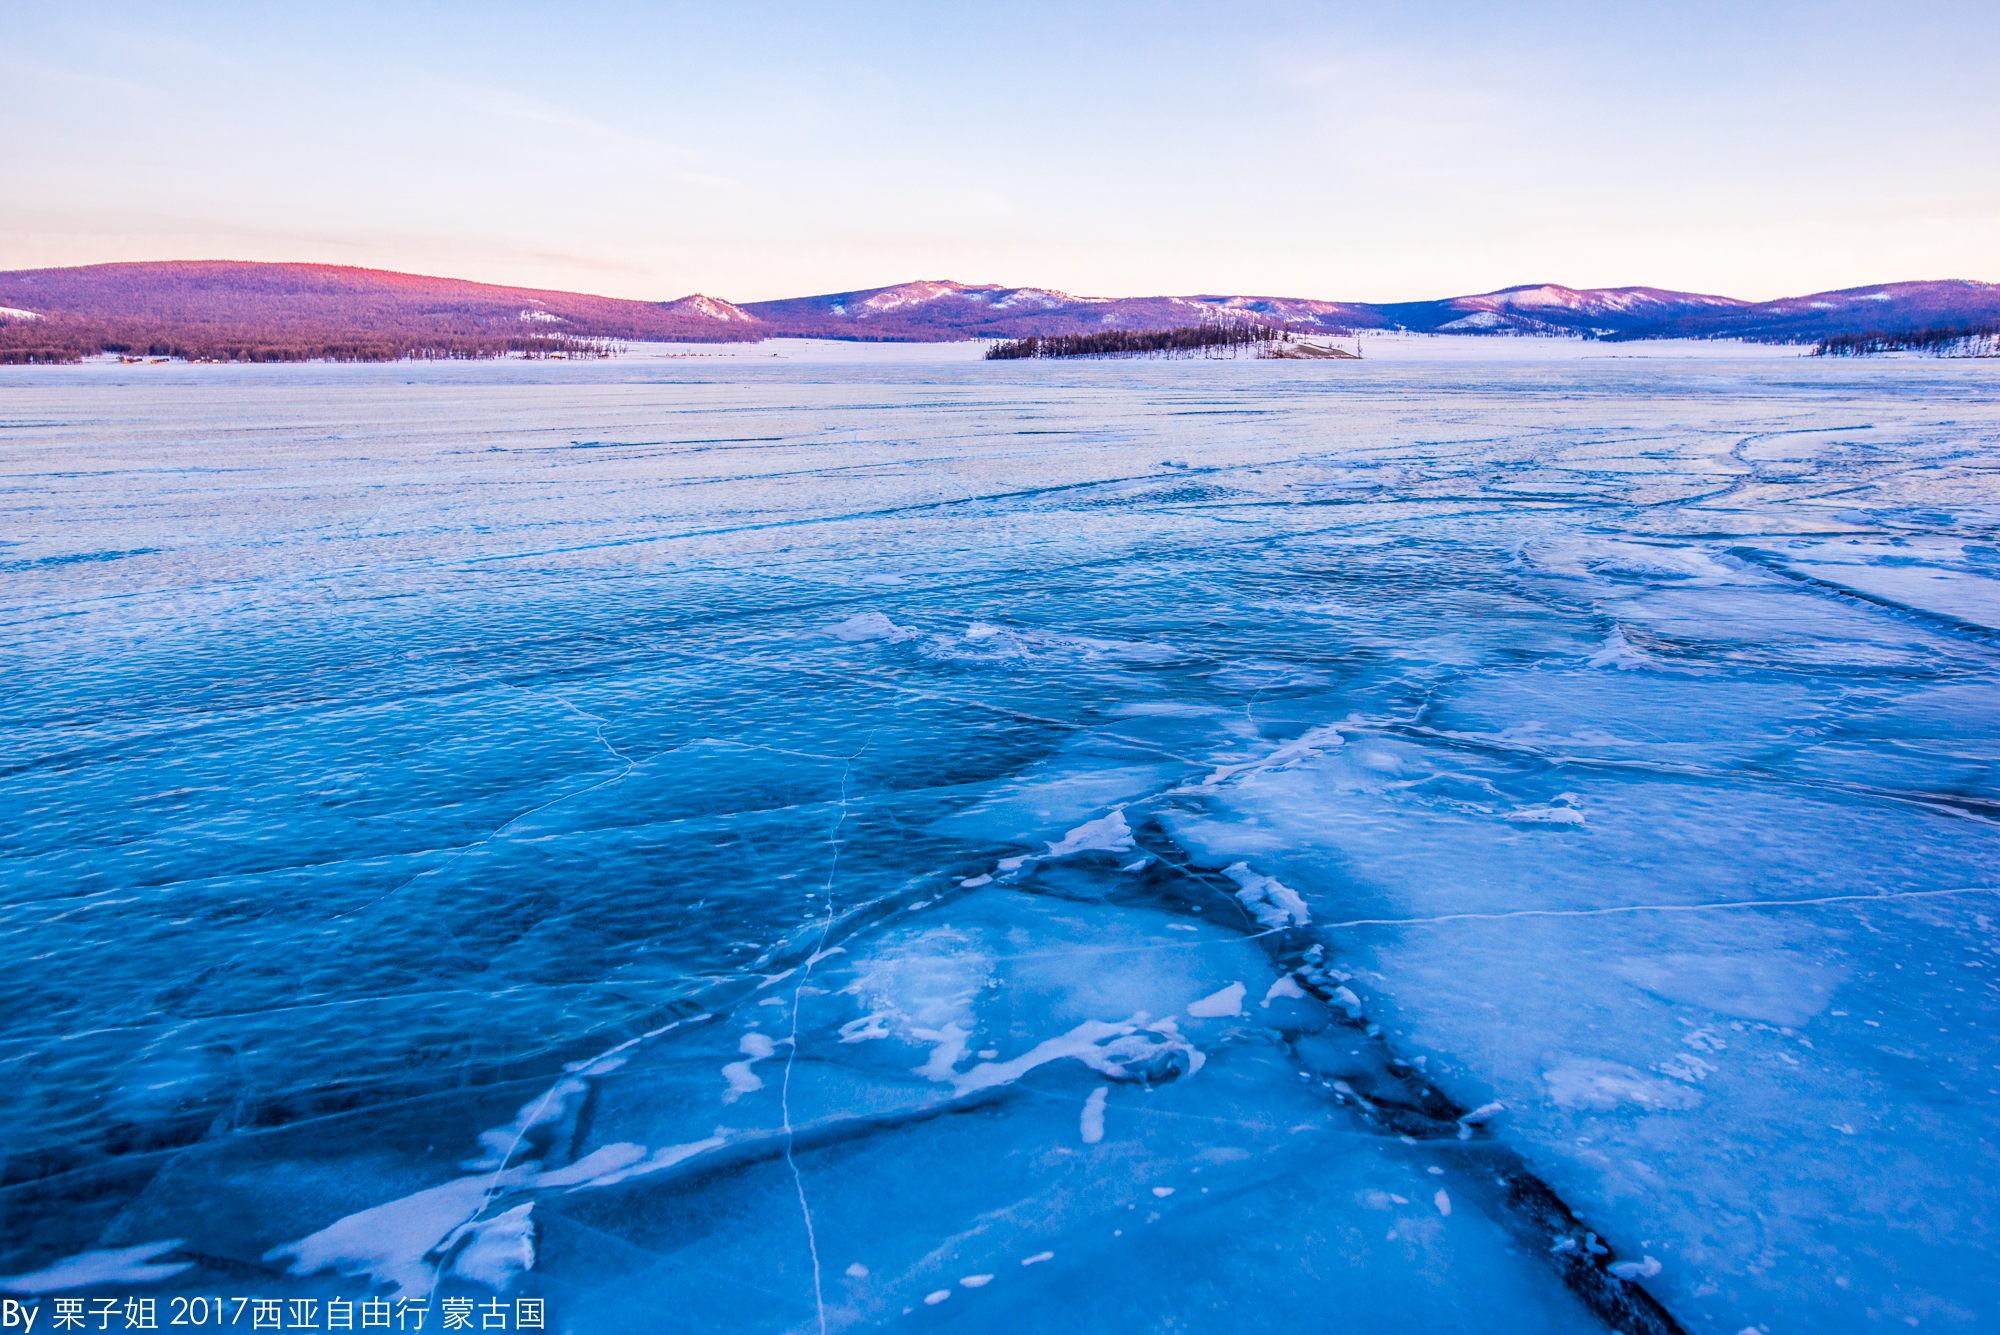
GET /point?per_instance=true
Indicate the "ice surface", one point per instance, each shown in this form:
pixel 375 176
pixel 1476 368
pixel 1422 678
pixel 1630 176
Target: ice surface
pixel 834 840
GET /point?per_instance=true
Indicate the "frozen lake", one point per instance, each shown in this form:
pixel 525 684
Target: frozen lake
pixel 854 839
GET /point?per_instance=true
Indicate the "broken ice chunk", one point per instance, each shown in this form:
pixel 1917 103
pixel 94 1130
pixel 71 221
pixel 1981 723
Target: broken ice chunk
pixel 1275 905
pixel 1619 653
pixel 1562 809
pixel 1287 986
pixel 1645 1269
pixel 1108 834
pixel 500 1247
pixel 870 626
pixel 1485 1112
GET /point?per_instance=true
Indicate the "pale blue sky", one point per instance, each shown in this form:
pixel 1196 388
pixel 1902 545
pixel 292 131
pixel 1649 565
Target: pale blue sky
pixel 1362 151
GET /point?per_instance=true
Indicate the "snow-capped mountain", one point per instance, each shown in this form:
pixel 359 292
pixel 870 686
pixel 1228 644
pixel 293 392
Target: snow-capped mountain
pixel 1851 310
pixel 1550 308
pixel 1650 312
pixel 942 308
pixel 709 308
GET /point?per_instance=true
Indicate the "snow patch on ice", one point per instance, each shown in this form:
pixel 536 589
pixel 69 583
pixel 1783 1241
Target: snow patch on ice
pixel 604 1175
pixel 1313 742
pixel 599 1163
pixel 119 1265
pixel 986 642
pixel 946 1055
pixel 389 1243
pixel 1686 1067
pixel 1092 1124
pixel 1229 1001
pixel 1773 986
pixel 1119 1050
pixel 865 1028
pixel 1587 1082
pixel 755 1048
pixel 402 1242
pixel 1689 567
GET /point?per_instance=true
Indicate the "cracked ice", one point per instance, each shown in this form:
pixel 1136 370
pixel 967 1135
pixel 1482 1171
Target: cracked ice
pixel 1511 836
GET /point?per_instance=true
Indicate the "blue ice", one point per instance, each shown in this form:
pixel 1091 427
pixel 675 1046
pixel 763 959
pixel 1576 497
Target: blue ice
pixel 1488 846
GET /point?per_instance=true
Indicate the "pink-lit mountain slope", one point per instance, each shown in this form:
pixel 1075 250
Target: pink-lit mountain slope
pixel 1549 308
pixel 178 300
pixel 942 309
pixel 1852 310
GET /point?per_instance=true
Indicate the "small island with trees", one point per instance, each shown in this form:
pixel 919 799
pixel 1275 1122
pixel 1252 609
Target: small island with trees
pixel 1213 339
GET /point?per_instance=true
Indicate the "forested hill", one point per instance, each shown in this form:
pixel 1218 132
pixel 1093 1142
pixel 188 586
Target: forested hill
pixel 289 311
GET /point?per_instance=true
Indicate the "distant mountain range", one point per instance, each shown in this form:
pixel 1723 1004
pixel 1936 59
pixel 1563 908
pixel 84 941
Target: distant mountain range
pixel 942 309
pixel 285 311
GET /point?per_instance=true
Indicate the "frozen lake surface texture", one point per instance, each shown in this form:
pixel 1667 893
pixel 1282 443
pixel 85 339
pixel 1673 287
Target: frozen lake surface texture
pixel 800 845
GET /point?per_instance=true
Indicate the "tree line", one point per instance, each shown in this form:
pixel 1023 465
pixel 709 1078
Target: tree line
pixel 1937 341
pixel 55 341
pixel 1184 341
